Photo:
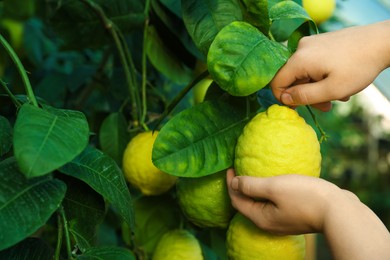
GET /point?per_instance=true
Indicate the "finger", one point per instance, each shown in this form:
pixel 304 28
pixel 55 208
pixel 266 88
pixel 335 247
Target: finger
pixel 254 187
pixel 325 106
pixel 310 93
pixel 345 99
pixel 239 201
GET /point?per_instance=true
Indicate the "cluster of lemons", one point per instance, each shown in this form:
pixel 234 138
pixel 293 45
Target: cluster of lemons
pixel 276 141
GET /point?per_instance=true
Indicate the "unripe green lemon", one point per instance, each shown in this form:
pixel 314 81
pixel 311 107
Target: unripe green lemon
pixel 319 10
pixel 178 244
pixel 154 216
pixel 139 169
pixel 245 241
pixel 275 142
pixel 205 201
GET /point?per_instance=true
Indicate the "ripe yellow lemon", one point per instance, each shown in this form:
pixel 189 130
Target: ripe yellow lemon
pixel 319 10
pixel 139 169
pixel 275 142
pixel 245 241
pixel 178 244
pixel 205 201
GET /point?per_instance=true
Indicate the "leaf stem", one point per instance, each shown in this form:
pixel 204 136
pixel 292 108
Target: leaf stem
pixel 324 136
pixel 9 93
pixel 66 232
pixel 21 70
pixel 180 96
pixel 59 237
pixel 144 69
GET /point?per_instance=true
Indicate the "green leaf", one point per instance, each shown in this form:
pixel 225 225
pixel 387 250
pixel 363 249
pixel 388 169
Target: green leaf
pixel 164 60
pixel 286 17
pixel 30 248
pixel 103 175
pixel 200 140
pixel 173 5
pixel 173 26
pixel 45 139
pixel 257 14
pixel 242 60
pixel 205 18
pixel 73 17
pixel 25 204
pixel 5 136
pixel 113 136
pixel 107 252
pixel 85 210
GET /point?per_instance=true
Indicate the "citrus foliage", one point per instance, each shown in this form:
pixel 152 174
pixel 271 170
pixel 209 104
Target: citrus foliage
pixel 100 73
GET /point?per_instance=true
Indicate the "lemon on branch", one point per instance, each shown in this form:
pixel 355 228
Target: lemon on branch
pixel 245 241
pixel 319 10
pixel 275 142
pixel 139 169
pixel 205 201
pixel 178 244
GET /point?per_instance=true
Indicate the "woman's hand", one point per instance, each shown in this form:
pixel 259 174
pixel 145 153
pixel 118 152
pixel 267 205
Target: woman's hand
pixel 297 204
pixel 333 66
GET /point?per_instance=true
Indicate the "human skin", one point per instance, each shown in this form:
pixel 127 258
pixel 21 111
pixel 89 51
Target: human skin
pixel 333 66
pixel 297 204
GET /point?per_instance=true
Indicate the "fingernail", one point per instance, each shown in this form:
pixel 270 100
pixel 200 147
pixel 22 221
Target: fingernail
pixel 234 183
pixel 286 99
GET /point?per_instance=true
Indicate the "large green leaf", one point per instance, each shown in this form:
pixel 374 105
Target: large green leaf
pixel 165 60
pixel 74 18
pixel 103 174
pixel 242 60
pixel 5 136
pixel 25 204
pixel 107 252
pixel 45 139
pixel 200 140
pixel 85 210
pixel 257 14
pixel 30 248
pixel 113 136
pixel 205 18
pixel 286 17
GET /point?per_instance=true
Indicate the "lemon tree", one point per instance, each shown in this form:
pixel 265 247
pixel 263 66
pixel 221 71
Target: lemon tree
pixel 246 241
pixel 99 131
pixel 139 169
pixel 278 141
pixel 205 201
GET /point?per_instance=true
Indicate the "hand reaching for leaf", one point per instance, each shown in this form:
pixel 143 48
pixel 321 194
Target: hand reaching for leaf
pixel 333 66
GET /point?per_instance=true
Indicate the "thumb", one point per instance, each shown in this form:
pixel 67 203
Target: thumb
pixel 254 187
